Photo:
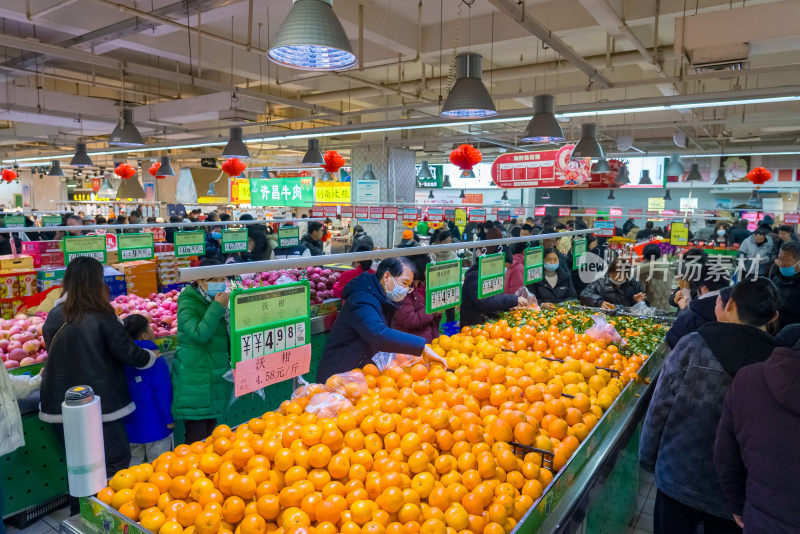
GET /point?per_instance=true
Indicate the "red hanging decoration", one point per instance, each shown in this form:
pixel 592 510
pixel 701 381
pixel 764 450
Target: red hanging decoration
pixel 153 170
pixel 759 175
pixel 333 161
pixel 233 167
pixel 124 171
pixel 465 157
pixel 9 175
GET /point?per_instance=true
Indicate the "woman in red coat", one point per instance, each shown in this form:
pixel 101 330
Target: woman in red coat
pixel 360 267
pixel 411 316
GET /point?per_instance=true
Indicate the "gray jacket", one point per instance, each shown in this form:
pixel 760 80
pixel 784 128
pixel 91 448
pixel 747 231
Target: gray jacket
pixel 765 252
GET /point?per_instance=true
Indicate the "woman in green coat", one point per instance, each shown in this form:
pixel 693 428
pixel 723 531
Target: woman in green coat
pixel 200 393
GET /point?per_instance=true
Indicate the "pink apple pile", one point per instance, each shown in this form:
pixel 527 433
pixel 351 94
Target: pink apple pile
pixel 321 281
pixel 21 341
pixel 161 309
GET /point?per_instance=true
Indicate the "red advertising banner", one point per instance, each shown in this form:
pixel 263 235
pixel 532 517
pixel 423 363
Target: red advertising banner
pixel 375 212
pixel 539 211
pixel 791 218
pixel 330 211
pixel 473 198
pixel 348 211
pixel 519 211
pixel 390 212
pixel 635 212
pixel 545 168
pixel 362 212
pixel 616 212
pixel 591 211
pixel 563 212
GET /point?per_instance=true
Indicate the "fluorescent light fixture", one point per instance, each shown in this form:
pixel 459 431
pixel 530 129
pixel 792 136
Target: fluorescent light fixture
pixel 601 166
pixel 235 147
pixel 313 155
pixel 667 196
pixel 721 179
pixel 694 174
pixel 468 98
pixel 312 38
pixel 543 127
pixel 645 178
pixel 165 169
pixel 81 158
pixel 125 133
pixel 674 167
pixel 368 174
pixel 55 169
pixel 588 147
pixel 424 172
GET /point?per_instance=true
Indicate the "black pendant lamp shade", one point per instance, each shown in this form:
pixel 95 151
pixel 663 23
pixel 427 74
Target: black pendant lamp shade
pixel 368 174
pixel 754 198
pixel 611 195
pixel 55 169
pixel 674 167
pixel 430 195
pixel 588 147
pixel 622 176
pixel 312 38
pixel 424 172
pixel 468 173
pixel 721 179
pixel 543 127
pixel 265 173
pixel 667 196
pixel 546 195
pixel 505 196
pixel 446 181
pixel 235 147
pixel 125 133
pixel 601 167
pixel 468 97
pixel 81 158
pixel 694 174
pixel 313 155
pixel 462 195
pixel 645 178
pixel 165 169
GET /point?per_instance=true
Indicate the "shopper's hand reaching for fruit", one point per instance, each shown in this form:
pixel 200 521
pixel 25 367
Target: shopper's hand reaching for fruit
pixel 431 356
pixel 639 297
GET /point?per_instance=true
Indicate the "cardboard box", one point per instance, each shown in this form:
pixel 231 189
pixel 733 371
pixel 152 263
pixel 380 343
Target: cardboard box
pixel 20 261
pixel 9 307
pixel 9 285
pixel 164 247
pixel 140 277
pixel 116 282
pixel 39 247
pixel 53 258
pixel 48 277
pixel 112 257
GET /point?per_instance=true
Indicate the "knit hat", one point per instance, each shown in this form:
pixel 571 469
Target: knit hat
pixel 408 234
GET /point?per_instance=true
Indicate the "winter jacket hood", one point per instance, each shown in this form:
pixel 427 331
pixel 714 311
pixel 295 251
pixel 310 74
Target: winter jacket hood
pixel 782 373
pixel 737 345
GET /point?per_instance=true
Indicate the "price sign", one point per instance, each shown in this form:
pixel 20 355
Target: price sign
pixel 159 234
pixel 135 246
pixel 635 212
pixel 578 253
pixel 347 211
pixel 375 212
pixel 435 214
pixel 51 220
pixel 491 275
pixel 791 218
pixel 234 240
pixel 615 212
pixel 93 246
pixel 288 236
pixel 679 234
pixel 449 214
pixel 667 212
pixel 477 215
pixel 563 212
pixel 410 214
pixel 591 211
pixel 190 244
pixel 539 211
pixel 504 214
pixel 330 211
pixel 362 212
pixel 534 259
pixel 270 329
pixel 603 229
pixel 317 211
pixel 442 285
pixel 655 204
pixel 519 212
pixel 390 213
pixel 461 218
pixel 13 221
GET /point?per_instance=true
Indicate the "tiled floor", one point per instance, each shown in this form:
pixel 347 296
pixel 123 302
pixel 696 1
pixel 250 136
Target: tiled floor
pixel 46 525
pixel 642 521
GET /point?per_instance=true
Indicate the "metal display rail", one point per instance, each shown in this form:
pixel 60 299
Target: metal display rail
pixel 145 226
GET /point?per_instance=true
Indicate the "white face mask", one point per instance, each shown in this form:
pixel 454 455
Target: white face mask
pixel 398 292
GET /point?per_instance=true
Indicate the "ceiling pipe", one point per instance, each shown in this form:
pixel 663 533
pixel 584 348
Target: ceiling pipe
pixel 46 11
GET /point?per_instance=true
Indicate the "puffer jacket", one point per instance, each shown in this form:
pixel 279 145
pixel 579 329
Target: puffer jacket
pixel 562 292
pixel 699 312
pixel 474 310
pixel 12 388
pixel 603 290
pixel 765 253
pixel 756 463
pixel 789 289
pixel 677 441
pixel 313 246
pixel 515 275
pixel 202 357
pixel 411 316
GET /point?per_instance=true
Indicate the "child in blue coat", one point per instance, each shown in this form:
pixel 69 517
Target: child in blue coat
pixel 150 425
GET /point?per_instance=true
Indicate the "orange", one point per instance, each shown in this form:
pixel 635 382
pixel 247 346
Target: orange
pixel 533 488
pixel 433 526
pixel 180 487
pixel 361 511
pixel 319 456
pixel 391 499
pixel 187 514
pixel 524 433
pixel 253 524
pixel 243 486
pixel 501 430
pixel 207 522
pixel 210 462
pixel 439 497
pixel 105 495
pixel 456 517
pixel 153 521
pixel 233 509
pixel 161 480
pixel 123 479
pixel 146 495
pixel 121 497
pixel 129 509
pixel 209 496
pixel 199 486
pixel 170 527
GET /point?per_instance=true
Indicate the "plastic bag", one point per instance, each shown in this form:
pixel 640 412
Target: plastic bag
pixel 384 360
pixel 529 297
pixel 351 384
pixel 641 309
pixel 284 279
pixel 602 330
pixel 307 390
pixel 328 404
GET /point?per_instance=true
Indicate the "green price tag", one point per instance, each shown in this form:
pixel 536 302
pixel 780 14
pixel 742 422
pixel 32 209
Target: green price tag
pixel 491 275
pixel 578 252
pixel 269 319
pixel 442 285
pixel 288 236
pixel 534 258
pixel 134 247
pixel 93 246
pixel 51 220
pixel 13 221
pixel 190 244
pixel 234 240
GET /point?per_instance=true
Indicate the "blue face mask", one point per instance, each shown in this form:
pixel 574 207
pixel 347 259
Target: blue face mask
pixel 398 293
pixel 788 271
pixel 215 287
pixel 216 235
pixel 551 266
pixel 720 232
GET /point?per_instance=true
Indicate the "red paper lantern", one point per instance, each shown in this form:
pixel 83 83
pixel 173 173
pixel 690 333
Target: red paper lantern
pixel 153 170
pixel 124 171
pixel 465 157
pixel 233 167
pixel 9 175
pixel 759 175
pixel 333 161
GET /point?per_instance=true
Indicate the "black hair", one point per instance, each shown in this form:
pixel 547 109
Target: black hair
pixel 209 261
pixel 313 226
pixel 743 223
pixel 785 228
pixel 136 213
pixel 651 252
pixel 763 230
pixel 245 217
pixel 527 227
pixel 136 325
pixel 174 219
pixel 792 248
pixel 518 248
pixel 394 266
pixel 151 219
pixel 420 262
pixel 649 225
pixel 713 279
pixel 99 219
pixel 698 253
pixel 756 301
pixel 440 235
pixel 725 294
pixel 516 231
pixel 358 228
pixel 365 264
pixel 547 251
pixel 73 217
pixel 225 217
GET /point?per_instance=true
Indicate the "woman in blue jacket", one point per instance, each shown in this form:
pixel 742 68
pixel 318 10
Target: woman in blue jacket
pixel 362 328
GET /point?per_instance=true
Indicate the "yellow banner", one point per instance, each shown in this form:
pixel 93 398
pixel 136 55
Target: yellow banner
pixel 332 193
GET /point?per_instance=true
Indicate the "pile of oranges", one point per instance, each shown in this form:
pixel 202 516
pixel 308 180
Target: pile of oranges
pixel 421 450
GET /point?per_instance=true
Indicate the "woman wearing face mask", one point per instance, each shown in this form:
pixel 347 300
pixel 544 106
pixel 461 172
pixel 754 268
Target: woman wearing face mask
pixel 411 317
pixel 616 288
pixel 362 328
pixel 214 243
pixel 200 394
pixel 721 234
pixel 556 285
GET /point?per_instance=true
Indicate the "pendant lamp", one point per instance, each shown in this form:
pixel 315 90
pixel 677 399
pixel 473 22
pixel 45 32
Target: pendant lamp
pixel 667 195
pixel 130 188
pixel 312 38
pixel 235 147
pixel 546 195
pixel 588 147
pixel 81 158
pixel 446 182
pixel 468 98
pixel 721 179
pixel 125 133
pixel 754 198
pixel 543 126
pixel 611 195
pixel 212 190
pixel 468 173
pixel 674 167
pixel 368 174
pixel 313 155
pixel 265 173
pixel 645 178
pixel 55 169
pixel 106 188
pixel 430 195
pixel 694 174
pixel 505 196
pixel 601 167
pixel 622 176
pixel 424 172
pixel 462 195
pixel 165 169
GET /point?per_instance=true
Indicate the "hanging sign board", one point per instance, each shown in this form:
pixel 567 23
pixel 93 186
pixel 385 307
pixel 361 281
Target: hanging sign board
pixel 281 192
pixel 390 213
pixel 93 246
pixel 435 214
pixel 563 212
pixel 578 252
pixel 590 211
pixel 615 212
pixel 504 214
pixel 534 259
pixel 410 214
pixel 269 335
pixel 491 274
pixel 668 212
pixel 635 212
pixel 14 221
pixel 545 168
pixel 477 215
pixel 603 229
pixel 362 212
pixel 375 212
pixel 368 191
pixel 688 203
pixel 442 286
pixel 519 212
pixel 655 204
pixel 332 192
pixel 134 247
pixel 460 219
pixel 330 211
pixel 190 244
pixel 539 211
pixel 159 234
pixel 679 234
pixel 288 236
pixel 234 240
pixel 449 214
pixel 791 218
pixel 317 211
pixel 347 211
pixel 51 220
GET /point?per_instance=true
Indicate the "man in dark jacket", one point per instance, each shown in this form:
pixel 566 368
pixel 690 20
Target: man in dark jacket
pixel 647 233
pixel 701 309
pixel 616 288
pixel 677 438
pixel 313 239
pixel 362 328
pixel 787 280
pixel 756 463
pixel 360 239
pixel 740 233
